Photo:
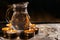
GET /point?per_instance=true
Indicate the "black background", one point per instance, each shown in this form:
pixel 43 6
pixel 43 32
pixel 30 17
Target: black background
pixel 39 10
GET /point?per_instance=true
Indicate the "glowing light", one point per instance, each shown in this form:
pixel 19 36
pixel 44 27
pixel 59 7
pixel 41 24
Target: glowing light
pixel 5 29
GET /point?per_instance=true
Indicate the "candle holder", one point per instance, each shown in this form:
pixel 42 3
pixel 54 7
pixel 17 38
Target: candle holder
pixel 11 34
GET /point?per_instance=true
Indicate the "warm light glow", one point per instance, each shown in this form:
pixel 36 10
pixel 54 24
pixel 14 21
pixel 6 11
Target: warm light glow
pixel 9 25
pixel 9 30
pixel 5 29
pixel 12 31
pixel 32 25
pixel 29 31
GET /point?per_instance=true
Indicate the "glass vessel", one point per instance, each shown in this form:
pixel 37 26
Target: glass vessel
pixel 20 18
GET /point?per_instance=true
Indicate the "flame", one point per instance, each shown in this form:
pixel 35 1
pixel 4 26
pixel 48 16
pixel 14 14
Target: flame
pixel 5 29
pixel 33 26
pixel 9 25
pixel 29 31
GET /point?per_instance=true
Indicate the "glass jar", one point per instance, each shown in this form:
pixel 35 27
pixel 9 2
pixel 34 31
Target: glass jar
pixel 20 18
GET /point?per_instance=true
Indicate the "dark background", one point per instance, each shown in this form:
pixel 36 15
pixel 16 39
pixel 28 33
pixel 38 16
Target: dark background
pixel 39 10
